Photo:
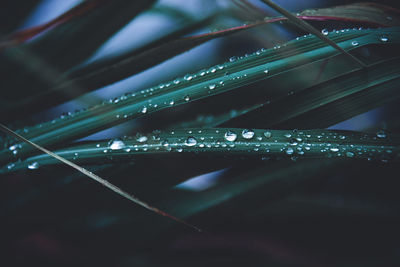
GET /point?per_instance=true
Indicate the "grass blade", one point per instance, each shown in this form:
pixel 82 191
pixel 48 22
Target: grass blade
pixel 231 142
pixel 206 84
pixel 82 80
pixel 318 106
pixel 312 30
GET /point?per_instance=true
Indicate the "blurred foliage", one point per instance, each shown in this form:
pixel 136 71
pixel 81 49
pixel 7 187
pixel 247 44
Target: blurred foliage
pixel 291 194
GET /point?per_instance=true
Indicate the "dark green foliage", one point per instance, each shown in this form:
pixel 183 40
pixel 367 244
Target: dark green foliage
pixel 288 191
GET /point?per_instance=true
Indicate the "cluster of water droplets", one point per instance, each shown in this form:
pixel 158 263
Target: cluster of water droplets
pixel 15 148
pixel 187 78
pixel 293 144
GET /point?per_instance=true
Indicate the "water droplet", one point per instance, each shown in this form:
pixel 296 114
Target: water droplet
pixel 384 38
pixel 171 103
pixel 289 151
pixel 325 32
pixel 141 138
pixel 188 77
pixel 10 166
pixel 349 154
pixel 33 166
pixel 268 134
pixel 230 136
pixel 13 147
pixel 334 149
pixel 287 135
pixel 186 98
pixel 116 144
pixel 232 59
pixel 381 134
pixel 211 86
pixel 165 143
pixel 293 142
pixel 176 81
pixel 354 43
pixel 143 110
pixel 190 141
pixel 266 71
pixel 179 149
pixel 247 134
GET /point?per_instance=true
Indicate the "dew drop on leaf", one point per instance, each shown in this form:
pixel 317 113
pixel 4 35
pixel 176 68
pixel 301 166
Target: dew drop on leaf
pixel 349 154
pixel 165 143
pixel 268 134
pixel 143 110
pixel 384 38
pixel 10 166
pixel 289 151
pixel 13 147
pixel 381 134
pixel 190 141
pixel 354 43
pixel 186 98
pixel 211 86
pixel 33 166
pixel 230 136
pixel 247 134
pixel 116 144
pixel 188 77
pixel 325 32
pixel 293 142
pixel 141 138
pixel 334 149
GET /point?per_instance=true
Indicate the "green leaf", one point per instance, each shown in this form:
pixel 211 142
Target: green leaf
pixel 228 142
pixel 217 80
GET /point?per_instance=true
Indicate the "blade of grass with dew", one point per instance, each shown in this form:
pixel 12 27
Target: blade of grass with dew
pixel 217 80
pixel 319 84
pixel 311 29
pixel 111 70
pixel 229 142
pixel 83 80
pixel 95 177
pixel 330 102
pixel 127 65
